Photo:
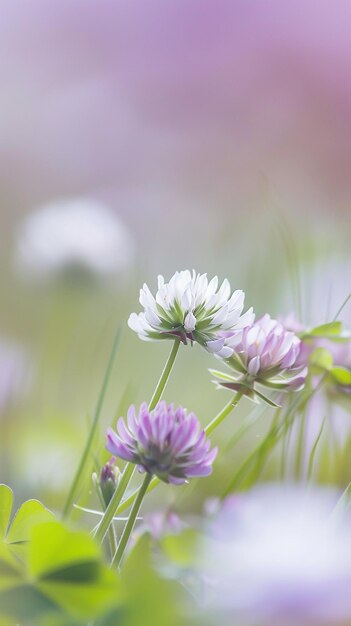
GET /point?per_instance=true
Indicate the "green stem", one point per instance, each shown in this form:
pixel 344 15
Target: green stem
pixel 131 521
pixel 130 467
pixel 114 502
pixel 218 419
pixel 164 376
pixel 125 504
pixel 86 452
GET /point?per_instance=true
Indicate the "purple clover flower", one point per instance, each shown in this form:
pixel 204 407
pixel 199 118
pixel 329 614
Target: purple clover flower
pixel 166 442
pixel 266 353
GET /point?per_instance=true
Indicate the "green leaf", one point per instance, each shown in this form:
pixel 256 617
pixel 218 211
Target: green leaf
pixel 49 572
pixel 341 375
pixel 322 359
pixel 221 375
pixel 149 599
pixel 68 569
pixel 332 329
pixel 13 538
pixel 6 500
pixel 25 604
pixel 10 569
pixel 267 400
pixel 85 599
pixel 56 547
pixel 27 517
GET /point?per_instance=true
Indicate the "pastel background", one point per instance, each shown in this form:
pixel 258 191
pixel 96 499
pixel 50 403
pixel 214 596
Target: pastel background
pixel 161 136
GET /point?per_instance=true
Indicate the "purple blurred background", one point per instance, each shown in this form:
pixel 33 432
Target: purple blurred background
pixel 176 110
pixel 217 132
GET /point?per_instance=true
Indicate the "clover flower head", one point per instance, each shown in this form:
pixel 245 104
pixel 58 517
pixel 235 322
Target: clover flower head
pixel 166 442
pixel 266 353
pixel 191 308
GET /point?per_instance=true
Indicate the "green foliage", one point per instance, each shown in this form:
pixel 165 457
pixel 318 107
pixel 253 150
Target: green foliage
pixel 341 375
pixel 149 598
pixel 49 573
pixel 321 359
pixel 332 331
pixel 15 538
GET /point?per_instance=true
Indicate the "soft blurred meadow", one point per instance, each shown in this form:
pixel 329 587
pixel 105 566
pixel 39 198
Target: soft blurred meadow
pixel 141 138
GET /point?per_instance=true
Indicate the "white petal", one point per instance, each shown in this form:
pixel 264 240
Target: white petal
pixel 152 317
pixel 187 300
pixel 225 353
pixel 190 322
pixel 146 297
pixel 246 320
pixel 254 365
pixel 215 345
pixel 252 335
pixel 220 316
pixel 212 288
pixel 162 297
pixel 138 323
pixel 223 292
pixel 236 301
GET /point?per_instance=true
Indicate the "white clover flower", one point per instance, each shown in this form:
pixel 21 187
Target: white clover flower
pixel 191 308
pixel 74 233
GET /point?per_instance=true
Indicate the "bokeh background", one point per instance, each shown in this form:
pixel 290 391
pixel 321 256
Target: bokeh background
pixel 139 138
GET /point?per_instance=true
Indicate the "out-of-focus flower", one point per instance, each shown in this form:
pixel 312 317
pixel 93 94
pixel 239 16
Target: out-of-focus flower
pixel 279 557
pixel 14 373
pixel 193 309
pixel 75 234
pixel 161 523
pixel 264 353
pixel 326 351
pixel 167 442
pixel 327 347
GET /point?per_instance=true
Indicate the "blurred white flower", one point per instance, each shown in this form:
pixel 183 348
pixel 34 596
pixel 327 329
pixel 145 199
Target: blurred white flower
pixel 279 557
pixel 77 233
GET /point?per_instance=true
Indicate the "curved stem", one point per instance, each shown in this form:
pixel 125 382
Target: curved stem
pixel 218 419
pixel 131 521
pixel 164 376
pixel 86 452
